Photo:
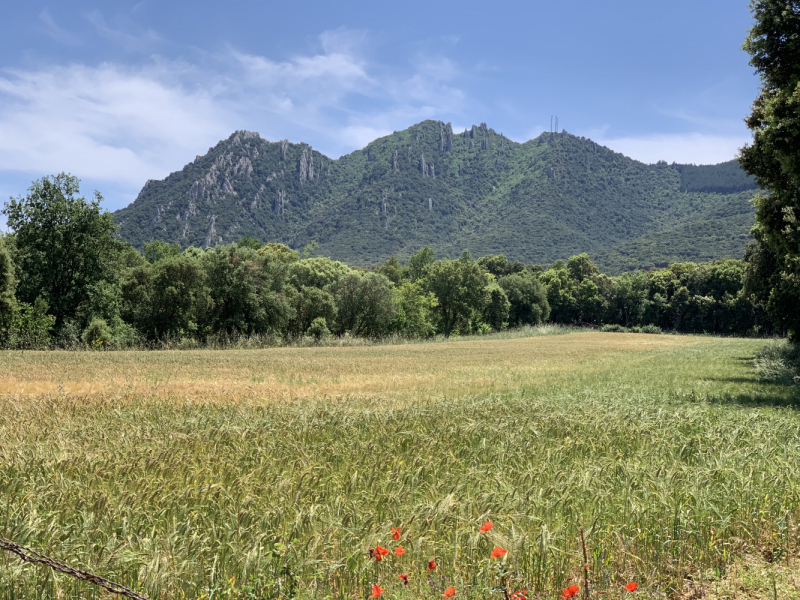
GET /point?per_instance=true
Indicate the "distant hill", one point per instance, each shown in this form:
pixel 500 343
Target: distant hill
pixel 549 198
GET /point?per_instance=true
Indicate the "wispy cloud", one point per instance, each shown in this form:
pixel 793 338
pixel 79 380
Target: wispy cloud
pixel 56 32
pixel 108 123
pixel 139 41
pixel 124 125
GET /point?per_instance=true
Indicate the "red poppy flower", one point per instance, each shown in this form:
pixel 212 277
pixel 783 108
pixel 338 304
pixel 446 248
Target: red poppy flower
pixel 449 592
pixel 404 578
pixel 371 552
pixel 520 595
pixel 376 591
pixel 570 591
pixel 499 552
pixel 486 526
pixel 631 587
pixel 399 551
pixel 380 552
pixel 395 533
pixel 431 565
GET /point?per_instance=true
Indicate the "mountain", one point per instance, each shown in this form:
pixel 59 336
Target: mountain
pixel 549 198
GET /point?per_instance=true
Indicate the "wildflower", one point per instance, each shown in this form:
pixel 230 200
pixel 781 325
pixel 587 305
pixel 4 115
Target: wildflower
pixel 399 551
pixel 570 592
pixel 372 552
pixel 520 595
pixel 404 578
pixel 380 552
pixel 432 565
pixel 451 591
pixel 631 587
pixel 395 533
pixel 499 552
pixel 376 591
pixel 486 526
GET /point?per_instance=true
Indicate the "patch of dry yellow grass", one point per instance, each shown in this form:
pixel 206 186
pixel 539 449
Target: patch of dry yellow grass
pixel 406 372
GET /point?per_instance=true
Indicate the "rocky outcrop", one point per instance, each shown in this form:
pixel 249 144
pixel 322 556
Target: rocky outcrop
pixel 395 162
pixel 280 203
pixel 423 166
pixel 243 168
pixel 211 236
pixel 307 165
pixel 284 148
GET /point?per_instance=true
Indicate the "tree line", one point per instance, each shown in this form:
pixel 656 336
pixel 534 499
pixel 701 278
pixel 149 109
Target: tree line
pixel 66 280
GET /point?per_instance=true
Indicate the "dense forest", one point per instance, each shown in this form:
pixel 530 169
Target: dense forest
pixel 549 198
pixel 66 280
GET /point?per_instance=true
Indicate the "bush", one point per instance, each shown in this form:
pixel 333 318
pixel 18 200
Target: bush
pixel 651 329
pixel 31 326
pixel 98 334
pixel 614 328
pixel 779 362
pixel 319 329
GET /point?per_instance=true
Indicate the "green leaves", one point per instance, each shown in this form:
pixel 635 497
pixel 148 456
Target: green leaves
pixel 774 47
pixel 65 245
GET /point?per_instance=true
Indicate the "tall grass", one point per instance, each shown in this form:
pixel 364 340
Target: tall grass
pixel 674 459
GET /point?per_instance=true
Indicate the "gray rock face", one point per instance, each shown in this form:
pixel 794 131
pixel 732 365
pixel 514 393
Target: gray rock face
pixel 284 148
pixel 473 132
pixel 281 201
pixel 211 236
pixel 307 165
pixel 449 137
pixel 431 171
pixel 395 162
pixel 423 166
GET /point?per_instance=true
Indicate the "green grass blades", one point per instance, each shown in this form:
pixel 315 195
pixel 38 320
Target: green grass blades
pixel 673 457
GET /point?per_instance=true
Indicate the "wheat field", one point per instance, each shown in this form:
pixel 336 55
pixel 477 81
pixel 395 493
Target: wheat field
pixel 271 473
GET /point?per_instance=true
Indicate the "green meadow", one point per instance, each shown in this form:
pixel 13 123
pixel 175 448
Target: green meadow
pixel 271 473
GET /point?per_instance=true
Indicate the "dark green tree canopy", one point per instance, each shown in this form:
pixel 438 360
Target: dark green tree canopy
pixel 65 245
pixel 773 157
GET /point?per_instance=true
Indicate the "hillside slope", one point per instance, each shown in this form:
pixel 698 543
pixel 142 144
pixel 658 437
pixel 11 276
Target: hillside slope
pixel 549 198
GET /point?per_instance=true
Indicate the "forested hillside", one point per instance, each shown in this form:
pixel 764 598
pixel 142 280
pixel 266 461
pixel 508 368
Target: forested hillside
pixel 547 199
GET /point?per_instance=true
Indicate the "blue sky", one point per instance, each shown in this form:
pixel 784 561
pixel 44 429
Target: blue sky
pixel 121 92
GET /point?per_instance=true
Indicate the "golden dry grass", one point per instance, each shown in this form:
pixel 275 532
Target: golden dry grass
pixel 407 372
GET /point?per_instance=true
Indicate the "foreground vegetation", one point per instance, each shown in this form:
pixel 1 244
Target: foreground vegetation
pixel 271 473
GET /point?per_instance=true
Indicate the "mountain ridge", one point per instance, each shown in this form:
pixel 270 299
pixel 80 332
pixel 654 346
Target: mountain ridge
pixel 547 198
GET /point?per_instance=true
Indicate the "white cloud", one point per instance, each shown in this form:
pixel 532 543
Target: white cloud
pixel 697 148
pixel 123 125
pixel 107 123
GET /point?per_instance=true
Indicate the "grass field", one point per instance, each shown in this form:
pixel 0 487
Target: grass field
pixel 270 473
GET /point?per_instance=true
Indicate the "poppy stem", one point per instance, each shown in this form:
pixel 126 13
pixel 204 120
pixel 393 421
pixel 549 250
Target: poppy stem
pixel 585 567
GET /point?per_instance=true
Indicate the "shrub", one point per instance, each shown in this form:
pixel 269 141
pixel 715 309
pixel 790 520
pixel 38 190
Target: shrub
pixel 319 329
pixel 779 362
pixel 32 325
pixel 614 328
pixel 651 329
pixel 98 334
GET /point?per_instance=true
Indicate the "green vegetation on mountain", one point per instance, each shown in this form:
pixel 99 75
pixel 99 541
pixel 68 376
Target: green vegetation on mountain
pixel 552 197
